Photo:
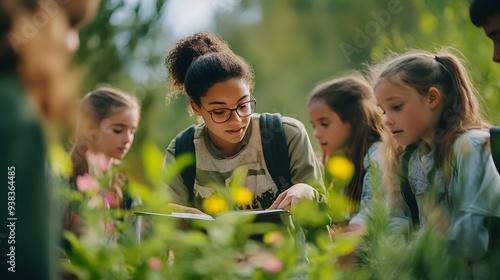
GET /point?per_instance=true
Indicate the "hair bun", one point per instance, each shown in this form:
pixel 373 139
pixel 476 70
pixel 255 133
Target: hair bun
pixel 187 50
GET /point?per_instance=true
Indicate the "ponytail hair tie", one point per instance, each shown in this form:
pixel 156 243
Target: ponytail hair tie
pixel 441 64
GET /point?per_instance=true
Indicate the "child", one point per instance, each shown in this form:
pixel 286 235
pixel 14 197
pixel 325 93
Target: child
pixel 106 125
pixel 442 147
pixel 347 121
pixel 219 83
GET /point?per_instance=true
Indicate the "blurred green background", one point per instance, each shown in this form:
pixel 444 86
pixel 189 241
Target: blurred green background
pixel 292 45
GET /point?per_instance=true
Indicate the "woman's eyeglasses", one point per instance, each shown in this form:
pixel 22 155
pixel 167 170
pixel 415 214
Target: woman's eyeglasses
pixel 222 115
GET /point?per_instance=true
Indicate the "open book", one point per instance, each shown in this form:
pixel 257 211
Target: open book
pixel 270 216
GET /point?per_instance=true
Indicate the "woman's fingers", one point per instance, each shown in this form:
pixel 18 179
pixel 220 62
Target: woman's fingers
pixel 278 201
pixel 292 196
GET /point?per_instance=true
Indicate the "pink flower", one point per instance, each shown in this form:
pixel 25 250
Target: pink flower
pixel 86 183
pixel 273 265
pixel 102 162
pixel 109 197
pixel 110 227
pixel 98 160
pixel 107 227
pixel 155 263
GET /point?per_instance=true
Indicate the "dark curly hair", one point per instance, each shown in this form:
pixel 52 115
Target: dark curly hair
pixel 199 61
pixel 481 10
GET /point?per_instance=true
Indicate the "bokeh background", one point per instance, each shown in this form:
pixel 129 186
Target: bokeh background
pixel 292 45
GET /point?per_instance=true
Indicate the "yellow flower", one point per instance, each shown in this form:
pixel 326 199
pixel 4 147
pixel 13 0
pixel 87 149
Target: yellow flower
pixel 340 167
pixel 242 196
pixel 214 204
pixel 60 161
pixel 273 237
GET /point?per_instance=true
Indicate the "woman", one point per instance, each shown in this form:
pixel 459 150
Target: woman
pixel 38 39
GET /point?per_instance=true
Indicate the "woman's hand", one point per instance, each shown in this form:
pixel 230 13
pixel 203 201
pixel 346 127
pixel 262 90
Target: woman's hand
pixel 293 195
pixel 184 209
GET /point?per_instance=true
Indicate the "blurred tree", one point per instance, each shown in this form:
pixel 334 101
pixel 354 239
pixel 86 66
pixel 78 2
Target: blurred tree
pixel 119 30
pixel 293 45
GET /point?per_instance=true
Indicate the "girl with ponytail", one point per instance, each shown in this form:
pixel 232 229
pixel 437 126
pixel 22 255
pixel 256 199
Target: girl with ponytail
pixel 439 153
pixel 106 125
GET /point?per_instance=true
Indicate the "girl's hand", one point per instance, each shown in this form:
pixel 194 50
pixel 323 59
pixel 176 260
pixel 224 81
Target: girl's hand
pixel 346 229
pixel 183 224
pixel 293 195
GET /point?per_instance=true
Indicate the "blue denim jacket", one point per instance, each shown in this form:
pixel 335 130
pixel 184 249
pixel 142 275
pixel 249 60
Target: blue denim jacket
pixel 473 192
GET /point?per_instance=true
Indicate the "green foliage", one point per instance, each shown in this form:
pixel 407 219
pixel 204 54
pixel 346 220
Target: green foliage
pixel 235 248
pixel 112 38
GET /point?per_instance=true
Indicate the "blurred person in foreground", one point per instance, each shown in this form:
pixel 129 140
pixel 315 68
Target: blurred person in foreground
pixel 486 15
pixel 38 41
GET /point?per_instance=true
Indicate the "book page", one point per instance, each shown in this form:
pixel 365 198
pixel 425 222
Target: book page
pixel 177 215
pixel 206 217
pixel 192 216
pixel 255 212
pixel 275 216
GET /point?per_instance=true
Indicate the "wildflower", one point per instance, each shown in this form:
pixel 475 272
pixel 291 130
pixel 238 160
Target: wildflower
pixel 106 226
pixel 340 167
pixel 61 161
pixel 102 162
pixel 242 196
pixel 273 265
pixel 109 197
pixel 110 227
pixel 98 161
pixel 94 202
pixel 273 237
pixel 214 204
pixel 87 183
pixel 155 263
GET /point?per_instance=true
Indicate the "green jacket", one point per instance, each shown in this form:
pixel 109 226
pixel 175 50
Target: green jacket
pixel 27 234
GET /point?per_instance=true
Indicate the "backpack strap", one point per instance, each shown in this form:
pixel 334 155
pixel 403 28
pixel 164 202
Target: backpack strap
pixel 406 191
pixel 495 145
pixel 275 150
pixel 184 143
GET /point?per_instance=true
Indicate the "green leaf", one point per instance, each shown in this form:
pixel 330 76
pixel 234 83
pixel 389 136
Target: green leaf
pixel 153 160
